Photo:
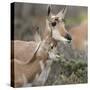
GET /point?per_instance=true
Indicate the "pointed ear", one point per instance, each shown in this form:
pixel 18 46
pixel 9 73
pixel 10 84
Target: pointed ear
pixel 49 11
pixel 62 13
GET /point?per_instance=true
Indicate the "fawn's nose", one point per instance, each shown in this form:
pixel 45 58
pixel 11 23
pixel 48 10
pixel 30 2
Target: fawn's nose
pixel 68 37
pixel 53 24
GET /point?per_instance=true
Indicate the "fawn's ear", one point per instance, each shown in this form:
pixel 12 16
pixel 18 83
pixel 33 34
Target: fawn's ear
pixel 62 13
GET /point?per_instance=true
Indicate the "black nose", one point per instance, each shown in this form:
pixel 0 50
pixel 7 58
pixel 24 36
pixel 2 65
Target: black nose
pixel 53 24
pixel 68 37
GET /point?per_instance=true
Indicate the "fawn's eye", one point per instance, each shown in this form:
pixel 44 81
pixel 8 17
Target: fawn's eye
pixel 51 47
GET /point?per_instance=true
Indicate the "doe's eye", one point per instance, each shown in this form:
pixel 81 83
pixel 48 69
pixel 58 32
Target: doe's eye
pixel 53 24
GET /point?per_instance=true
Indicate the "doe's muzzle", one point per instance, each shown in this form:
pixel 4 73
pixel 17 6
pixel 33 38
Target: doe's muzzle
pixel 68 37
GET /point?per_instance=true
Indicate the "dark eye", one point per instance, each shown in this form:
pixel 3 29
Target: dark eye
pixel 53 24
pixel 51 47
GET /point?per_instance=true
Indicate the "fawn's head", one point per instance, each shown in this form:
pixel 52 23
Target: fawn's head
pixel 56 24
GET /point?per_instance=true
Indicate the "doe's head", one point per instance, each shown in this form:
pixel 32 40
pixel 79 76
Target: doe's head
pixel 56 24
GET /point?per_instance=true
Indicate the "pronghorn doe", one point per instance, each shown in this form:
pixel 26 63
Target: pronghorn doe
pixel 29 59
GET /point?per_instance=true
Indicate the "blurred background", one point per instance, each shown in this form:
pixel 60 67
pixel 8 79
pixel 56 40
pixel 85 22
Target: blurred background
pixel 30 17
pixel 72 65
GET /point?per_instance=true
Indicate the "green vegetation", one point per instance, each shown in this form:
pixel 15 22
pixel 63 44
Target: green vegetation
pixel 75 20
pixel 72 71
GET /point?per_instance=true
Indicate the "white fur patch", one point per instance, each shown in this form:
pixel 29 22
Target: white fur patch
pixel 42 65
pixel 52 55
pixel 56 35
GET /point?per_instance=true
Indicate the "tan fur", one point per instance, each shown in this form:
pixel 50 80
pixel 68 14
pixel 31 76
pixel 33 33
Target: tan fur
pixel 29 70
pixel 32 68
pixel 26 56
pixel 62 30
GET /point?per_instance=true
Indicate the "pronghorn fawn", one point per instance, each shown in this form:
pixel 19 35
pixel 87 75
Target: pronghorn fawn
pixel 29 59
pixel 79 36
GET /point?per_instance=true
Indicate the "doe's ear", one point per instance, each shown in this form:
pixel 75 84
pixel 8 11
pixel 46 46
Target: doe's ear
pixel 62 13
pixel 49 11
